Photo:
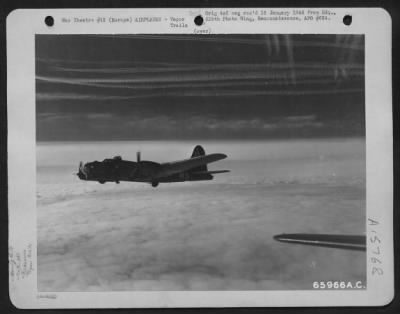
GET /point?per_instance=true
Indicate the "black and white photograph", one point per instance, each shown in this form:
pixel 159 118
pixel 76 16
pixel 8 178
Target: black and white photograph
pixel 200 162
pixel 199 158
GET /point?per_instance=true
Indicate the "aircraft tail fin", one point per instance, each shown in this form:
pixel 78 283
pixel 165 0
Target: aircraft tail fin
pixel 198 151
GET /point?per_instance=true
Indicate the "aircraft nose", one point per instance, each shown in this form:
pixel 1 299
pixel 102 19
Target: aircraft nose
pixel 86 170
pixel 83 171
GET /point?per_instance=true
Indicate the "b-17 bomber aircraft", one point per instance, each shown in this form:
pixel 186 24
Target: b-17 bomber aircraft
pixel 116 169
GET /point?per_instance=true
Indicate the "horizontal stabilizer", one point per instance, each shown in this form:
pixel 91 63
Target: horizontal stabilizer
pixel 210 172
pixel 184 165
pixel 348 242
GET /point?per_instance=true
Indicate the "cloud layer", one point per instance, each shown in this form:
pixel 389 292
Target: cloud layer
pixel 214 235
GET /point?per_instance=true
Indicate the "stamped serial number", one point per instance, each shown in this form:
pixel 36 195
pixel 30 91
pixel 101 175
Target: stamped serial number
pixel 338 285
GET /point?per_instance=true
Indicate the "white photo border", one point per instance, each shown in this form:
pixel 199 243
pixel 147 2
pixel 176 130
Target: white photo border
pixel 24 24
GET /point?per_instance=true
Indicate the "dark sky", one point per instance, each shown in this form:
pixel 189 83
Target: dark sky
pixel 132 87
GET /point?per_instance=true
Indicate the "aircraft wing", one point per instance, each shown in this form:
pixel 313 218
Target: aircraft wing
pixel 210 172
pixel 348 242
pixel 175 167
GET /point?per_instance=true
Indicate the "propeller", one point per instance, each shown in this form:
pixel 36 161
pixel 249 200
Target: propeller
pixel 138 156
pixel 80 173
pixel 79 168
